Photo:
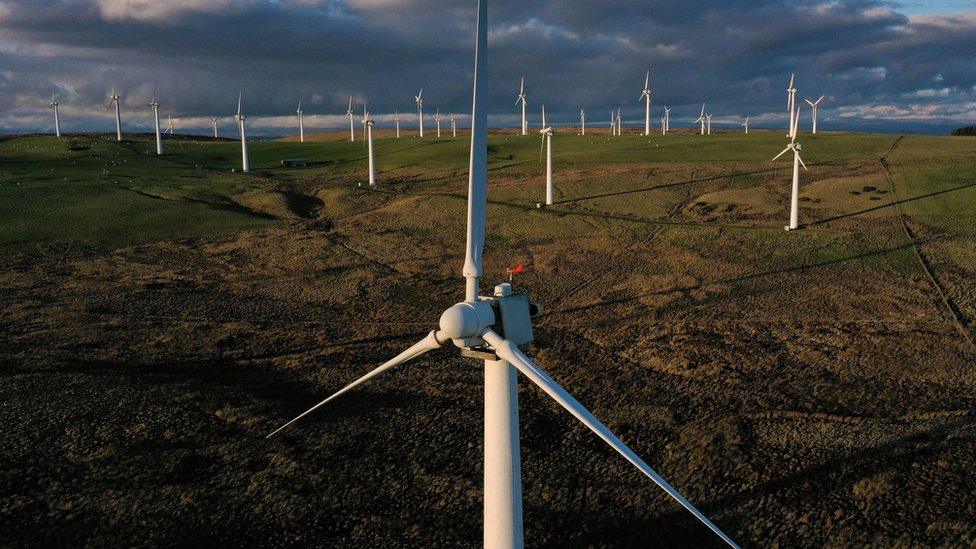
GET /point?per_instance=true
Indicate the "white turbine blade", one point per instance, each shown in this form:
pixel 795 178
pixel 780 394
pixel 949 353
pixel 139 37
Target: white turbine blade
pixel 702 115
pixel 240 103
pixel 647 81
pixel 801 162
pixel 478 165
pixel 429 343
pixel 780 154
pixel 809 102
pixel 821 99
pixel 509 352
pixel 522 87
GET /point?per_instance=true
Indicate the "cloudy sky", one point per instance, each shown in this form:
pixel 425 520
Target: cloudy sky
pixel 905 66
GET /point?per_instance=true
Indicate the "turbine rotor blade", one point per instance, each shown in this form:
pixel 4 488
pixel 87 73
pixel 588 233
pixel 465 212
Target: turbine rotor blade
pixel 509 352
pixel 429 343
pixel 801 162
pixel 780 154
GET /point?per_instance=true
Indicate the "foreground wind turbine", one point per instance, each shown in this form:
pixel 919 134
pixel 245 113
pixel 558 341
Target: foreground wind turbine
pixel 301 122
pixel 521 99
pixel 701 118
pixel 419 98
pixel 118 115
pixel 746 124
pixel 473 326
pixel 797 162
pixel 582 121
pixel 214 121
pixel 396 120
pixel 791 102
pixel 453 125
pixel 547 144
pixel 159 136
pixel 57 116
pixel 245 164
pixel 815 107
pixel 647 97
pixel 351 117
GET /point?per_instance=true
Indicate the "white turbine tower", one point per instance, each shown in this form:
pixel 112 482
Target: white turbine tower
pixel 701 118
pixel 159 136
pixel 791 102
pixel 453 125
pixel 708 123
pixel 437 119
pixel 57 116
pixel 619 123
pixel 118 115
pixel 613 122
pixel 815 107
pixel 746 124
pixel 301 122
pixel 582 121
pixel 646 96
pixel 245 163
pixel 214 121
pixel 419 98
pixel 797 162
pixel 368 126
pixel 473 325
pixel 667 119
pixel 396 120
pixel 521 99
pixel 547 149
pixel 352 120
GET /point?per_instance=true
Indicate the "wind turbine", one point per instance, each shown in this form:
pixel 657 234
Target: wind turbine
pixel 420 109
pixel 708 123
pixel 547 146
pixel 647 111
pixel 791 102
pixel 301 122
pixel 582 121
pixel 396 119
pixel 797 162
pixel 214 122
pixel 453 125
pixel 351 116
pixel 746 124
pixel 245 164
pixel 521 99
pixel 57 116
pixel 815 107
pixel 613 122
pixel 472 327
pixel 169 124
pixel 701 118
pixel 368 125
pixel 118 115
pixel 667 118
pixel 437 119
pixel 619 123
pixel 159 136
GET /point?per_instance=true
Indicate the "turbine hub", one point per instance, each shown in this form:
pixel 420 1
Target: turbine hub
pixel 465 322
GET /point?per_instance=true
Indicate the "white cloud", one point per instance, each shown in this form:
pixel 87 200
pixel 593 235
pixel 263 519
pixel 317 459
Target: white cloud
pixel 161 10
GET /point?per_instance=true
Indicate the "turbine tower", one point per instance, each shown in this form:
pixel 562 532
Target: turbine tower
pixel 701 119
pixel 708 123
pixel 791 103
pixel 419 98
pixel 521 99
pixel 582 121
pixel 396 119
pixel 368 125
pixel 437 119
pixel 301 122
pixel 797 162
pixel 351 117
pixel 613 122
pixel 647 110
pixel 619 123
pixel 57 116
pixel 159 136
pixel 472 326
pixel 214 121
pixel 453 125
pixel 118 115
pixel 667 119
pixel 547 148
pixel 746 124
pixel 245 164
pixel 815 108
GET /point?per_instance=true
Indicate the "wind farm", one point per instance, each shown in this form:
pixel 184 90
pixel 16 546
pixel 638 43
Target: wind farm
pixel 511 332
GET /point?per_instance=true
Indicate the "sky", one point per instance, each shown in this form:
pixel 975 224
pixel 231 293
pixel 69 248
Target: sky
pixel 882 66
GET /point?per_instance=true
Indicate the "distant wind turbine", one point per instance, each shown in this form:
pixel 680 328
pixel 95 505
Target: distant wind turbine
pixel 214 121
pixel 547 148
pixel 301 122
pixel 245 164
pixel 797 162
pixel 815 107
pixel 620 124
pixel 396 120
pixel 666 123
pixel 437 119
pixel 646 96
pixel 159 136
pixel 118 115
pixel 746 124
pixel 368 125
pixel 521 99
pixel 701 118
pixel 351 117
pixel 57 116
pixel 453 125
pixel 708 123
pixel 582 121
pixel 169 124
pixel 419 98
pixel 613 122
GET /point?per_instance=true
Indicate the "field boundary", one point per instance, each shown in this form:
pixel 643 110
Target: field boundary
pixel 954 314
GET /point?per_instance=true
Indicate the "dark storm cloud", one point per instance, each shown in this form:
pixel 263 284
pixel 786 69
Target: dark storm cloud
pixel 870 60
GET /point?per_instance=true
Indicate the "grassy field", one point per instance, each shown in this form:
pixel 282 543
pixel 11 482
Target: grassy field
pixel 160 315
